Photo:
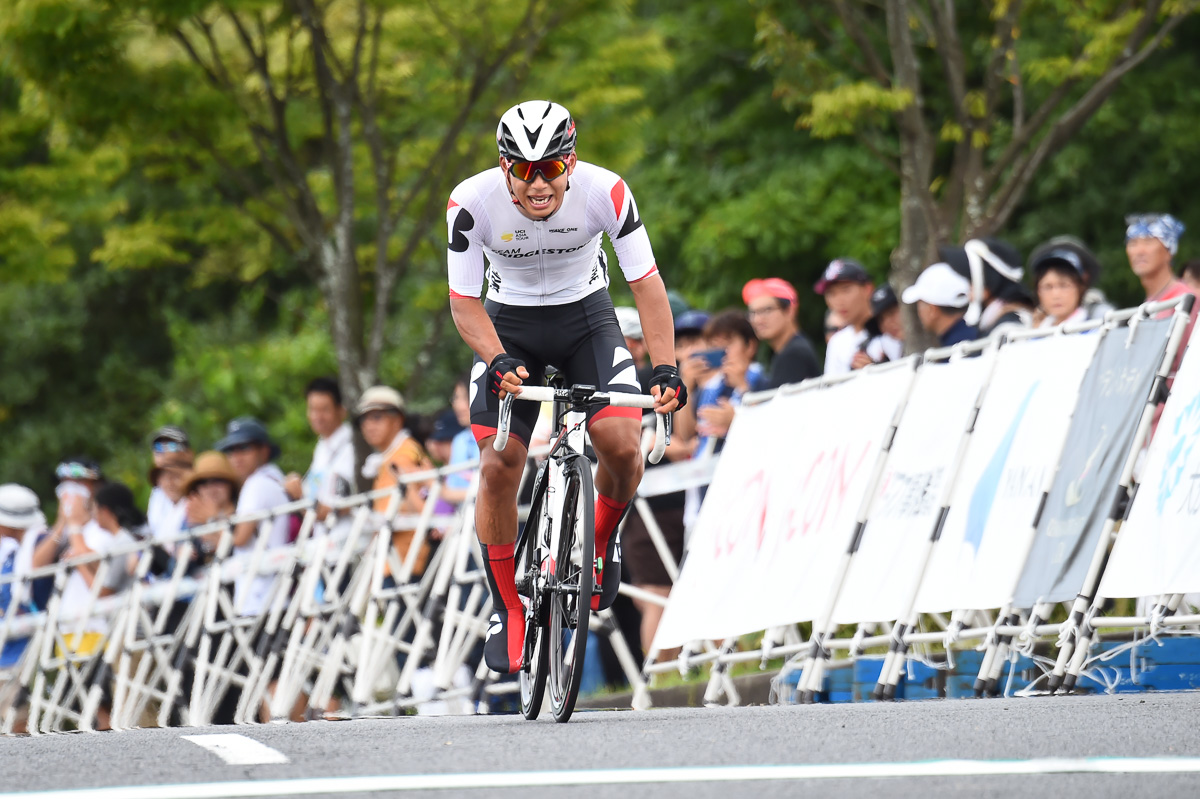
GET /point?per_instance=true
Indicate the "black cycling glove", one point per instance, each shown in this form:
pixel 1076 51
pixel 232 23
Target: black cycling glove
pixel 501 365
pixel 668 377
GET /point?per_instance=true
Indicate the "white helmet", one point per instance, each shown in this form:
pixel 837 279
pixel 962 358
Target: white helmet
pixel 535 130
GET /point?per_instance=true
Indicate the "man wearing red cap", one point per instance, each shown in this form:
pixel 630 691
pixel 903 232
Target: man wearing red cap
pixel 771 304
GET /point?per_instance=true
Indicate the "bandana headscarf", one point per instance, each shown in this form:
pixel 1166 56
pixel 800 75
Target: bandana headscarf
pixel 1163 227
pixel 979 255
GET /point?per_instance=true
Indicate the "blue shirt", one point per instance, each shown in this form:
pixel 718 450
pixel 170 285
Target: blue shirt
pixel 959 331
pixel 463 448
pixel 716 389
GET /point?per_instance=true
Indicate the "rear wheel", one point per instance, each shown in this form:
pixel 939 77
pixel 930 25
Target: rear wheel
pixel 530 586
pixel 570 595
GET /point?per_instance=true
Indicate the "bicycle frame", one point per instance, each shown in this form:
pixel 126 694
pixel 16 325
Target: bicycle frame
pixel 556 554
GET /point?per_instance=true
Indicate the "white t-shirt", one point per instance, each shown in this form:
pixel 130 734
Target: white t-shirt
pixel 164 517
pixel 262 490
pixel 332 465
pixel 1079 315
pixel 885 348
pixel 841 349
pixel 77 594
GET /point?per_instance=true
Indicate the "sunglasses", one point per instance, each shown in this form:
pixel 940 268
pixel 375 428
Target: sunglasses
pixel 168 446
pixel 1066 256
pixel 526 170
pixel 75 471
pixel 241 447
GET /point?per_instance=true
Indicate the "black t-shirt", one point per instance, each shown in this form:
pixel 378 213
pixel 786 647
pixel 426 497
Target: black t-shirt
pixel 795 362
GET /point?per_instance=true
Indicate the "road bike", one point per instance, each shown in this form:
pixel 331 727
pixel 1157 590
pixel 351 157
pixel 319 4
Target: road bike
pixel 555 551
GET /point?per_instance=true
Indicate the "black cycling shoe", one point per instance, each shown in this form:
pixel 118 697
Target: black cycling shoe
pixel 505 642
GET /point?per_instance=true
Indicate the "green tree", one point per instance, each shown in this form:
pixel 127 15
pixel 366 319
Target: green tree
pixel 965 102
pixel 728 190
pixel 328 135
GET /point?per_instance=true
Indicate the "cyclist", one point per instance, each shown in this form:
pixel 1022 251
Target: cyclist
pixel 538 218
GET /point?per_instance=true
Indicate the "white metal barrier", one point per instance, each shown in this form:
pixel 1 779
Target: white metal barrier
pixel 774 512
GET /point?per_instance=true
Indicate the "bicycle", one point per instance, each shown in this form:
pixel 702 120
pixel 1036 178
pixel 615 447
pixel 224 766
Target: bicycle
pixel 558 539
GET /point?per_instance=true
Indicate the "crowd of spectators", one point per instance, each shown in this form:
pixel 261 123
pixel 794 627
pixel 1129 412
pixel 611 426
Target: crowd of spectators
pixel 968 292
pixel 238 476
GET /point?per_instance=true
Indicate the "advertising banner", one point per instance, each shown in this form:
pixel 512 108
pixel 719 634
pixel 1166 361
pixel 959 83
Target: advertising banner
pixel 1158 548
pixel 1013 452
pixel 1111 401
pixel 781 508
pixel 883 575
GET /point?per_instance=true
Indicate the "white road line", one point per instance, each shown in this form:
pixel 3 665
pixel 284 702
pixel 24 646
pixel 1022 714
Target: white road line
pixel 524 779
pixel 238 750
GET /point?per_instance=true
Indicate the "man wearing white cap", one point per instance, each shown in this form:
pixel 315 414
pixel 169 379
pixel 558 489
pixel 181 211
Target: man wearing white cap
pixel 942 295
pixel 21 522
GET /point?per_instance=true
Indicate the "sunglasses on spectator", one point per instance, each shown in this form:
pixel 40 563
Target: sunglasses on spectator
pixel 753 312
pixel 241 447
pixel 164 445
pixel 1065 256
pixel 526 170
pixel 75 471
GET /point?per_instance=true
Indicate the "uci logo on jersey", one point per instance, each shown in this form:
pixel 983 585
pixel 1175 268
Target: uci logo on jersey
pixel 519 235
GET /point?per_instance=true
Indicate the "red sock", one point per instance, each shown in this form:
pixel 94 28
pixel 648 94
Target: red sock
pixel 501 569
pixel 608 513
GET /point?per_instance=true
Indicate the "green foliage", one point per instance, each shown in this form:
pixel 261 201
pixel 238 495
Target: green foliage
pixel 840 110
pixel 729 190
pixel 142 282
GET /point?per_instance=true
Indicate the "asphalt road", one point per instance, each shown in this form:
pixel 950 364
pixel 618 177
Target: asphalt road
pixel 659 748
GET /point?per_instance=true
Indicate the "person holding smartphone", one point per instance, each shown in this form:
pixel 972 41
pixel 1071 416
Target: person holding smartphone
pixel 732 347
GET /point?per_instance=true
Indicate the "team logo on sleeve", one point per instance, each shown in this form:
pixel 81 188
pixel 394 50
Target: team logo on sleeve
pixel 463 222
pixel 632 220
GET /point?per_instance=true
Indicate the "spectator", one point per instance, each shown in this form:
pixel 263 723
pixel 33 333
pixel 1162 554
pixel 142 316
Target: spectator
pixel 1094 304
pixel 211 489
pixel 772 305
pixel 116 514
pixel 631 328
pixel 445 428
pixel 1151 241
pixel 88 524
pixel 941 295
pixel 729 333
pixel 833 323
pixel 886 330
pixel 251 454
pixel 641 563
pixel 331 473
pixel 847 290
pixel 997 297
pixel 78 479
pixel 1191 275
pixel 463 448
pixel 381 417
pixel 172 452
pixel 694 371
pixel 21 523
pixel 1060 279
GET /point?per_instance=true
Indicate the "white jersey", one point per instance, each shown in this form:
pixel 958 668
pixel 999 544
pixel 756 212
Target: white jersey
pixel 548 262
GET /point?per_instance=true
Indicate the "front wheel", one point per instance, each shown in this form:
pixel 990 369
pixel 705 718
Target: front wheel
pixel 531 583
pixel 570 594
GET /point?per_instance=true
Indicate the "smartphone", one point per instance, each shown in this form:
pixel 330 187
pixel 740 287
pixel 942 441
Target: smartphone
pixel 712 357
